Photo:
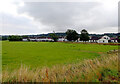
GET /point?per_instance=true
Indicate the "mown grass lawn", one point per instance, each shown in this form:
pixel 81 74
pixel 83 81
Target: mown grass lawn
pixel 40 54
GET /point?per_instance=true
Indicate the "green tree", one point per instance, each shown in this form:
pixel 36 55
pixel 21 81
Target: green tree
pixel 0 38
pixel 15 38
pixel 84 36
pixel 54 37
pixel 118 39
pixel 24 36
pixel 72 35
pixel 4 37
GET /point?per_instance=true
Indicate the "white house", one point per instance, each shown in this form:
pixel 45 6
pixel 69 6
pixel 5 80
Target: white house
pixel 104 39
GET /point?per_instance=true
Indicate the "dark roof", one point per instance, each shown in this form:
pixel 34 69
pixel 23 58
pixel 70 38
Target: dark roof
pixel 95 38
pixel 112 38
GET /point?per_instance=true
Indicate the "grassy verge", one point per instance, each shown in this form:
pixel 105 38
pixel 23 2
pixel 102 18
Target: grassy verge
pixel 102 69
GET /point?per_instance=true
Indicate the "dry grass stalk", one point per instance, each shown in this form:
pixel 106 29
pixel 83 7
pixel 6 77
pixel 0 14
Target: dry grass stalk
pixel 89 70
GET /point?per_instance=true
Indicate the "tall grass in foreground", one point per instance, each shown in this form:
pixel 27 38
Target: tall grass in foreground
pixel 103 69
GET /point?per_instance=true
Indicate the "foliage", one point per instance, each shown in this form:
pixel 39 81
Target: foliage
pixel 54 37
pixel 118 39
pixel 24 36
pixel 15 38
pixel 84 35
pixel 0 38
pixel 4 38
pixel 72 35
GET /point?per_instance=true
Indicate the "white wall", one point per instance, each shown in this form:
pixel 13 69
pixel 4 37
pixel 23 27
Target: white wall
pixel 115 41
pixel 95 41
pixel 102 41
pixel 42 39
pixel 60 39
pixel 24 40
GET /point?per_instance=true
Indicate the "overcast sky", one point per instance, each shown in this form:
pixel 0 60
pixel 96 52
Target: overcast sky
pixel 38 17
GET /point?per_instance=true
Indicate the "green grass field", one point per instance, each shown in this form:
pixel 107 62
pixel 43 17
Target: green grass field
pixel 40 54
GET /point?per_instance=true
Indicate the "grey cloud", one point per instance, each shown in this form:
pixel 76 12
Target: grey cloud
pixel 76 15
pixel 16 25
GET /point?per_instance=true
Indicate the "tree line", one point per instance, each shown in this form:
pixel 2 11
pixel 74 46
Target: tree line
pixel 14 38
pixel 72 35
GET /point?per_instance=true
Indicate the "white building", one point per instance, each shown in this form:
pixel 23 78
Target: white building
pixel 24 39
pixel 44 39
pixel 114 40
pixel 38 39
pixel 61 39
pixel 104 39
